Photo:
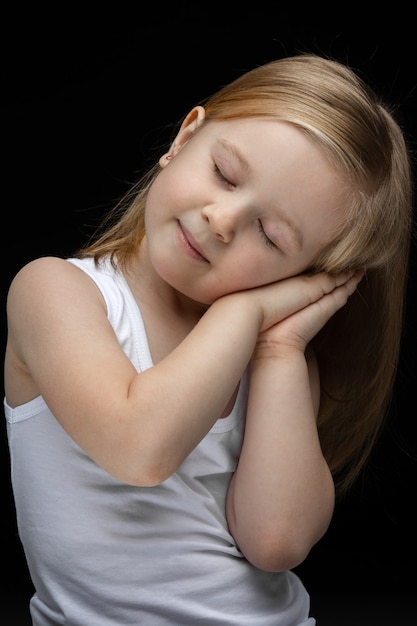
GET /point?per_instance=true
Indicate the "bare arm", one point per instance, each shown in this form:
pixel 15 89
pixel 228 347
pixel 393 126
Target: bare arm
pixel 281 497
pixel 60 335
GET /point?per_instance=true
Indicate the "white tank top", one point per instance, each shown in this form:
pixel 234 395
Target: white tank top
pixel 104 553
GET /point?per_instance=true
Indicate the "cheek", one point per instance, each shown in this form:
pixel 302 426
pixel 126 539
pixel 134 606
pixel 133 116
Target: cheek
pixel 248 270
pixel 158 207
pixel 256 270
pixel 156 193
pixel 174 185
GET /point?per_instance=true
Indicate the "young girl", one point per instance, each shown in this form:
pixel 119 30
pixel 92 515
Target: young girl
pixel 187 395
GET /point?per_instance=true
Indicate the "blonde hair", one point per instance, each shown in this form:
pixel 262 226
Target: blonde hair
pixel 358 350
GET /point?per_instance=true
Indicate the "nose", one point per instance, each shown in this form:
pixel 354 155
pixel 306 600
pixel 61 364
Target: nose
pixel 222 221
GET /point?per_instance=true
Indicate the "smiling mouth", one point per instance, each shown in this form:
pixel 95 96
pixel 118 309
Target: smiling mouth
pixel 188 245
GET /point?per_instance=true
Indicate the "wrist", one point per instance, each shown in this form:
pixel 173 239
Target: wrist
pixel 267 349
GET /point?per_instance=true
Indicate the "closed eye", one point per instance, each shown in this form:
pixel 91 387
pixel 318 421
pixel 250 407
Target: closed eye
pixel 265 237
pixel 219 174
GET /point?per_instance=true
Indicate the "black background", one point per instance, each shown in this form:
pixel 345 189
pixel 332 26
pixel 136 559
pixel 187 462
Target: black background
pixel 91 99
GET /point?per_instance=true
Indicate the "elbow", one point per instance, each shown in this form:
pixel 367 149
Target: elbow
pixel 140 467
pixel 277 553
pixel 135 476
pixel 284 544
pixel 146 474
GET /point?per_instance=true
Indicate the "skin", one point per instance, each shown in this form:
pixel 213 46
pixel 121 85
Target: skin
pixel 214 295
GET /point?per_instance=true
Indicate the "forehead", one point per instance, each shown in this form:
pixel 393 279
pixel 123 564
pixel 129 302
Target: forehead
pixel 262 145
pixel 249 139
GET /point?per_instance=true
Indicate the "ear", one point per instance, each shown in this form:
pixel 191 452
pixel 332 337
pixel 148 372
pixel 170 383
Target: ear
pixel 192 121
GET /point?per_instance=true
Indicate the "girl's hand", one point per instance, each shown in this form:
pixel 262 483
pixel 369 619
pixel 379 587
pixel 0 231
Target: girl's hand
pixel 320 296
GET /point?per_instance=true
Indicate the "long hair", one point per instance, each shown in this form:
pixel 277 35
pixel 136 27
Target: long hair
pixel 358 349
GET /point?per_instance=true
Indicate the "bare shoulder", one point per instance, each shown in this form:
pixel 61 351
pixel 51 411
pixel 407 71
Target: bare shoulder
pixel 50 304
pixel 42 272
pixel 47 280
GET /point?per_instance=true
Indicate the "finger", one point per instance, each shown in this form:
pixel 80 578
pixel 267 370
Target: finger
pixel 302 325
pixel 294 294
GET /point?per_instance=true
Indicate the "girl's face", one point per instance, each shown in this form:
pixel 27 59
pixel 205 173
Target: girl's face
pixel 242 203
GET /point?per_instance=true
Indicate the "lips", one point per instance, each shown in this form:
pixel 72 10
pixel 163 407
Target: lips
pixel 189 245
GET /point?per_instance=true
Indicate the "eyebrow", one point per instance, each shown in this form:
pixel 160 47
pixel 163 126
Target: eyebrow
pixel 234 150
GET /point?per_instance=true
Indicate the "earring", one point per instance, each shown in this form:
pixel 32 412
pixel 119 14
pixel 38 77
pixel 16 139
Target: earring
pixel 169 157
